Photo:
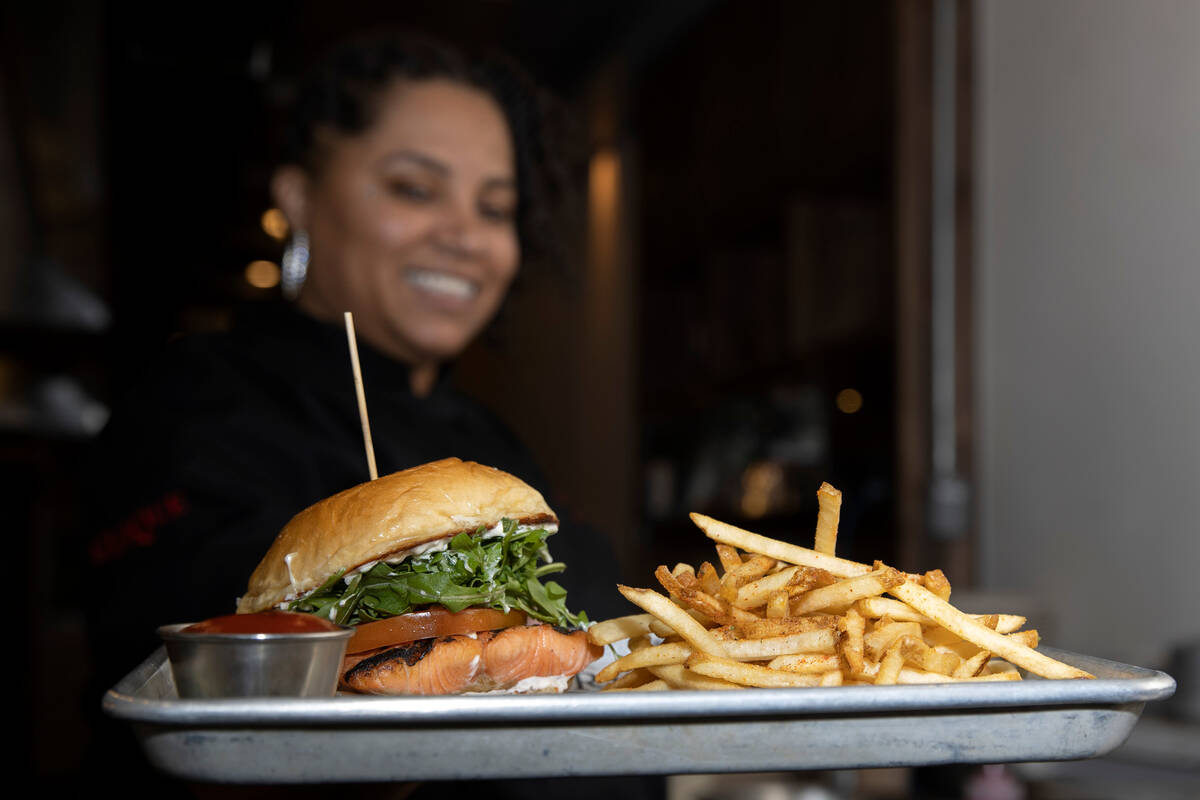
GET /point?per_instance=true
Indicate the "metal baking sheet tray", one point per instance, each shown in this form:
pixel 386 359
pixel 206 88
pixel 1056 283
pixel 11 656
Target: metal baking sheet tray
pixel 352 738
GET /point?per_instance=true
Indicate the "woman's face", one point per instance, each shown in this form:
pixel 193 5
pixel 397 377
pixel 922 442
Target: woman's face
pixel 412 223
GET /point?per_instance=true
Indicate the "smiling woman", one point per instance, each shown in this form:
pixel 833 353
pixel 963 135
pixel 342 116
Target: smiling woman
pixel 411 223
pixel 413 178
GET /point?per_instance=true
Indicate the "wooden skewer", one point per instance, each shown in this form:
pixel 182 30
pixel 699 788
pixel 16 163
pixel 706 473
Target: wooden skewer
pixel 362 400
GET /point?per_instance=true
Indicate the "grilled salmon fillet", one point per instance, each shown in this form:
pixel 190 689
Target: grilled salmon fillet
pixel 515 653
pixel 482 662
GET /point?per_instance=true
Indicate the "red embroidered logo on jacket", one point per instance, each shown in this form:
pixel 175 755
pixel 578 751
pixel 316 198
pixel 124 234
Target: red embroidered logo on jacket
pixel 139 529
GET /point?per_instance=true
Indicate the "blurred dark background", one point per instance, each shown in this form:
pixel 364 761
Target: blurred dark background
pixel 728 339
pixel 754 301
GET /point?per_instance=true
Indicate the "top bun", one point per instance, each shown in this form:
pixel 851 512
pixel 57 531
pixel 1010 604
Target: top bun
pixel 384 517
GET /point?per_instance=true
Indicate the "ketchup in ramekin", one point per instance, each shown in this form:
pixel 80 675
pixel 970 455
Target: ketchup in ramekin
pixel 263 622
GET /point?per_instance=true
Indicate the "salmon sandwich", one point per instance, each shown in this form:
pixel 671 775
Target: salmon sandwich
pixel 442 571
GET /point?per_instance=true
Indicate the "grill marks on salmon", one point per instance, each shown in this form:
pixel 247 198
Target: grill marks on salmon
pixel 428 666
pixel 484 662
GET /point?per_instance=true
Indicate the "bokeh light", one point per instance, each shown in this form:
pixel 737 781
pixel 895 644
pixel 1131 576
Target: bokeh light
pixel 262 274
pixel 275 224
pixel 849 401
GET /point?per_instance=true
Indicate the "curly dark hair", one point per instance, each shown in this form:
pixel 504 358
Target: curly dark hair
pixel 340 92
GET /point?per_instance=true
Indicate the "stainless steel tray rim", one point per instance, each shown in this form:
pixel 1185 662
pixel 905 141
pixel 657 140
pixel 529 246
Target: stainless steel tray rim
pixel 1140 686
pixel 385 739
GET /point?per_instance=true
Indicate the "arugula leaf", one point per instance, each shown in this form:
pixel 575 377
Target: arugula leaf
pixel 502 572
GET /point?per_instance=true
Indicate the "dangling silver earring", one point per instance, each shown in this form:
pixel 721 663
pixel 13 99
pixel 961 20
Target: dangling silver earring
pixel 295 265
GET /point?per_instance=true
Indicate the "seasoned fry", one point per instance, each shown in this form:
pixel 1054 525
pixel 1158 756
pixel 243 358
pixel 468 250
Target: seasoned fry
pixel 749 674
pixel 890 665
pixel 919 654
pixel 845 592
pixel 676 618
pixel 876 607
pixel 727 589
pixel 952 644
pixel 911 675
pixel 811 663
pixel 711 607
pixel 996 666
pixel 630 680
pixel 829 503
pixel 820 641
pixel 744 573
pixel 986 620
pixel 670 581
pixel 678 676
pixel 972 666
pixel 762 628
pixel 985 638
pixel 884 636
pixel 936 582
pixel 1005 675
pixel 656 656
pixel 796 580
pixel 832 678
pixel 728 556
pixel 1006 623
pixel 704 620
pixel 810 578
pixel 641 642
pixel 752 542
pixel 777 605
pixel 851 628
pixel 1029 637
pixel 707 579
pixel 685 573
pixel 753 569
pixel 618 628
pixel 756 593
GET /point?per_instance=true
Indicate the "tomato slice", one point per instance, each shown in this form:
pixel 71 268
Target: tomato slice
pixel 431 622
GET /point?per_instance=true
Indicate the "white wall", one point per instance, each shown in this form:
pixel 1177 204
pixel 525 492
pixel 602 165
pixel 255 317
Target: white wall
pixel 1089 316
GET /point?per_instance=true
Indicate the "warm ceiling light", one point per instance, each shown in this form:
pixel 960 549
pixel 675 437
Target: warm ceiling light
pixel 262 274
pixel 604 198
pixel 761 483
pixel 275 224
pixel 849 400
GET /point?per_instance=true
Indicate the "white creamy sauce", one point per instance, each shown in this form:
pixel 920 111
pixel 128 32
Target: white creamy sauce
pixel 541 683
pixel 287 562
pixel 439 545
pixel 534 683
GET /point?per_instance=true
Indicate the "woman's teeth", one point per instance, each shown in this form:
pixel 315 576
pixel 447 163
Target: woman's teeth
pixel 442 283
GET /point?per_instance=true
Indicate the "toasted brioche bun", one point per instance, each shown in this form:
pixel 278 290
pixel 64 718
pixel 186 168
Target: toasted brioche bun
pixel 382 519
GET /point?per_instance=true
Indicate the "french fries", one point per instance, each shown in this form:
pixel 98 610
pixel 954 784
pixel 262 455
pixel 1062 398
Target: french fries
pixel 829 501
pixel 748 674
pixel 768 613
pixel 675 618
pixel 618 628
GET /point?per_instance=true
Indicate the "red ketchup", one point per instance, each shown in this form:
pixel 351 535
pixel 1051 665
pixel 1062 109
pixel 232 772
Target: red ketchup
pixel 263 622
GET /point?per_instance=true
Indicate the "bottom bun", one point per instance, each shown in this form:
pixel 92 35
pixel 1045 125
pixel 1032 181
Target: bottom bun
pixel 523 659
